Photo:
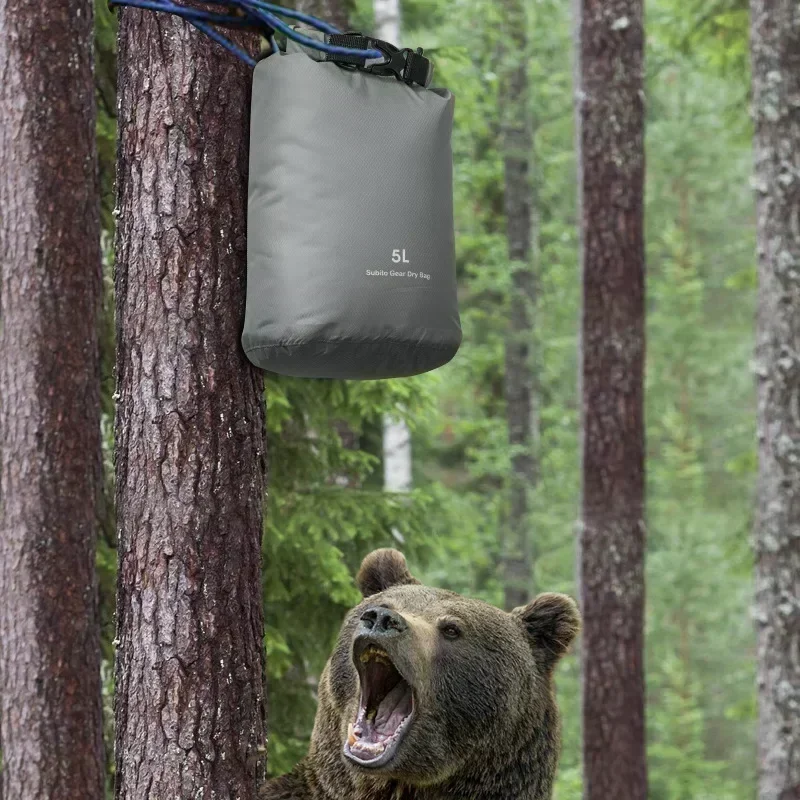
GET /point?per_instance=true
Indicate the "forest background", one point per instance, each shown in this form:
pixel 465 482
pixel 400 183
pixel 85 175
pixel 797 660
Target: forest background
pixel 326 507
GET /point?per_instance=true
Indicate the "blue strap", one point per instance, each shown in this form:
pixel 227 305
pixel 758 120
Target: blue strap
pixel 290 33
pixel 224 41
pixel 290 13
pixel 258 14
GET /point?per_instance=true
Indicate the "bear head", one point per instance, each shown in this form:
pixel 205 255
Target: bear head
pixel 427 688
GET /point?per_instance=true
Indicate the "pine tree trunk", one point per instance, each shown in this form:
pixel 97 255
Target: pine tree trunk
pixel 190 703
pixel 50 462
pixel 610 110
pixel 776 106
pixel 519 381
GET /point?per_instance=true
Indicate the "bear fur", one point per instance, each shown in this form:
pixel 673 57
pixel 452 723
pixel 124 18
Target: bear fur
pixel 483 723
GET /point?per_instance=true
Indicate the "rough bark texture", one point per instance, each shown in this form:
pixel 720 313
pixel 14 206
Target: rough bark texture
pixel 776 106
pixel 190 704
pixel 50 463
pixel 519 384
pixel 610 111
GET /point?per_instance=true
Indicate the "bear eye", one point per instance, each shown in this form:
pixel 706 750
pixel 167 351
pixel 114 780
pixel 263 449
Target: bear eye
pixel 450 630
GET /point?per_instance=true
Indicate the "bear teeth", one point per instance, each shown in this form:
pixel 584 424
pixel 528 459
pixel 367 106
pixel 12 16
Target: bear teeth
pixel 373 653
pixel 377 748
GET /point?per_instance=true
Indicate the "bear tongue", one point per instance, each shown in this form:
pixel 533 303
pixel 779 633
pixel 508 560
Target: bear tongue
pixel 393 709
pixel 370 737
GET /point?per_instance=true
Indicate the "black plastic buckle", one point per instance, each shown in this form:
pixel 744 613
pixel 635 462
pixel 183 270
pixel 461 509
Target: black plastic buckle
pixel 407 65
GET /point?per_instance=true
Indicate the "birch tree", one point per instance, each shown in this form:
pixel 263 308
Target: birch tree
pixel 387 20
pixel 397 459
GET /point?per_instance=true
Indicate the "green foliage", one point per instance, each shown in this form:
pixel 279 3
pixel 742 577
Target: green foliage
pixel 680 768
pixel 713 33
pixel 105 94
pixel 105 58
pixel 700 410
pixel 701 414
pixel 325 511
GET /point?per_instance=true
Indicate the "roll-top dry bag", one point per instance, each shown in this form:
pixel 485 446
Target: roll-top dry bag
pixel 350 254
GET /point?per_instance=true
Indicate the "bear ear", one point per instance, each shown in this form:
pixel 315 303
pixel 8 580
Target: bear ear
pixel 552 622
pixel 381 570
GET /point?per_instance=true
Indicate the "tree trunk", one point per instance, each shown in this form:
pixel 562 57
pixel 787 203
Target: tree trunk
pixel 190 703
pixel 332 11
pixel 776 106
pixel 397 460
pixel 610 112
pixel 50 462
pixel 517 138
pixel 387 20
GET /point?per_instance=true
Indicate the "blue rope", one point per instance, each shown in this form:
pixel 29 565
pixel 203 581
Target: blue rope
pixel 279 25
pixel 224 41
pixel 257 11
pixel 290 13
pixel 314 22
pixel 202 20
pixel 186 12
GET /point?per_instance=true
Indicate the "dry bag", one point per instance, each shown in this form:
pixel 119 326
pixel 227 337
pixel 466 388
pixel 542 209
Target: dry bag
pixel 350 254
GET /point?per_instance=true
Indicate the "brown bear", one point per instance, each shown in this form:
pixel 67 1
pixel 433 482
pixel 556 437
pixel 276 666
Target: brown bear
pixel 432 696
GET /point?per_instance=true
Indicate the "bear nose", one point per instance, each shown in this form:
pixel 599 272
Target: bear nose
pixel 380 621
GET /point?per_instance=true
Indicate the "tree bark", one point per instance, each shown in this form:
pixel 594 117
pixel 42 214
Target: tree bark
pixel 332 11
pixel 190 705
pixel 776 107
pixel 50 461
pixel 519 380
pixel 610 118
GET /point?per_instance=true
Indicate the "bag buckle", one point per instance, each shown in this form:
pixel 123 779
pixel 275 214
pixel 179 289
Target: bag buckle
pixel 407 65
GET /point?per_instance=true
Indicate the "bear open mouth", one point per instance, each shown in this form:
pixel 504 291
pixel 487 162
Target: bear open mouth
pixel 384 712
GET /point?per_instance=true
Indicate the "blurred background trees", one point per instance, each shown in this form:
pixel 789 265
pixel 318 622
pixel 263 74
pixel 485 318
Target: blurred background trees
pixel 699 400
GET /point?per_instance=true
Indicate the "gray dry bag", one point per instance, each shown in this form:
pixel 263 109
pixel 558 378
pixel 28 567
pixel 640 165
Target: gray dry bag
pixel 350 254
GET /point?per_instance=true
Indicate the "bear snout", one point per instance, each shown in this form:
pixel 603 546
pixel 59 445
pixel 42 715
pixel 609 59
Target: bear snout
pixel 378 622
